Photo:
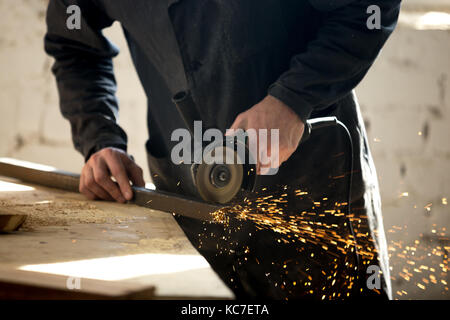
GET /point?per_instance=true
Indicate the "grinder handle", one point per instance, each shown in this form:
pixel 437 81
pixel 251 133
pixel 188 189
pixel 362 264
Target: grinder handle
pixel 317 123
pixel 187 108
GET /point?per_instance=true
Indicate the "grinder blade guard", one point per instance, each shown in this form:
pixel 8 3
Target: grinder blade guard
pixel 227 168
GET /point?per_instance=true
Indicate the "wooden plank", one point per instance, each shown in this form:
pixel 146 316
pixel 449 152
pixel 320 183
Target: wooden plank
pixel 67 236
pixel 10 219
pixel 18 284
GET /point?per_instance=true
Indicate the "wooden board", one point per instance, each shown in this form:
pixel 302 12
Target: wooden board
pixel 25 285
pixel 10 219
pixel 111 248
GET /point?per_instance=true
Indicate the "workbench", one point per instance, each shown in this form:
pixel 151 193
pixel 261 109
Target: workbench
pixel 72 248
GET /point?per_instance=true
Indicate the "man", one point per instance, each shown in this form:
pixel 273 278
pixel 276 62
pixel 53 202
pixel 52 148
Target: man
pixel 250 64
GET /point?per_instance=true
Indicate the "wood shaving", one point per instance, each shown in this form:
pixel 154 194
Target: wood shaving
pixel 168 245
pixel 60 213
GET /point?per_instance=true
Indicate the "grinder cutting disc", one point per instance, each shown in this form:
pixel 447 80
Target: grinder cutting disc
pixel 220 182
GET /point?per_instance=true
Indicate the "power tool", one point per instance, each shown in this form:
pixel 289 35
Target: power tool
pixel 221 182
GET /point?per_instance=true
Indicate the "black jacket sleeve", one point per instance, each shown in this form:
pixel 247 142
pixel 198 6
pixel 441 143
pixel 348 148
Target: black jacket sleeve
pixel 84 73
pixel 338 58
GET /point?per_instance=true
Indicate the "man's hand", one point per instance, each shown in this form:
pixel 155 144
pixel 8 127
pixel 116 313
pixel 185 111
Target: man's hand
pixel 269 114
pixel 96 182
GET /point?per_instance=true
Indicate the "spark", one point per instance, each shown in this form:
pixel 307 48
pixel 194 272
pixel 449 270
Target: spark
pixel 404 194
pixel 268 213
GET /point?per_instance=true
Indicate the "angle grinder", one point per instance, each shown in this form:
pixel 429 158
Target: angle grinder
pixel 227 167
pixel 220 181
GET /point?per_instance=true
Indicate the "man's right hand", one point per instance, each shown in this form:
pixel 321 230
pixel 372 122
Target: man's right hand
pixel 96 177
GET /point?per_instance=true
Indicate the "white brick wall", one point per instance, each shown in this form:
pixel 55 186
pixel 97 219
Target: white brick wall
pixel 407 91
pixel 31 126
pixel 427 4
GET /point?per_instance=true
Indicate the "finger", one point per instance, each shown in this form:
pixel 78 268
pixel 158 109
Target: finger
pixel 88 194
pixel 267 157
pixel 262 155
pixel 84 189
pixel 239 123
pixel 94 185
pixel 103 178
pixel 258 160
pixel 230 132
pixel 264 171
pixel 118 171
pixel 136 176
pixel 135 172
pixel 274 152
pixel 270 168
pixel 276 155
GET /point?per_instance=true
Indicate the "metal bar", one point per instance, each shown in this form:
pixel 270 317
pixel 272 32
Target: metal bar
pixel 157 200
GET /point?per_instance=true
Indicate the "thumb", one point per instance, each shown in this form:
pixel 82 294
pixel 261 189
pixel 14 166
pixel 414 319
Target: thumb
pixel 135 172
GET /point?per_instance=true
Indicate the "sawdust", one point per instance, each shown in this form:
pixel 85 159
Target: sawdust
pixel 59 213
pixel 175 245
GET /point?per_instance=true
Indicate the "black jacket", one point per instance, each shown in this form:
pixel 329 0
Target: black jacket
pixel 230 54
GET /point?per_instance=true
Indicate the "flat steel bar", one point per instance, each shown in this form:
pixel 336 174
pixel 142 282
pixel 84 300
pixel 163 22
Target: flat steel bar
pixel 157 200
